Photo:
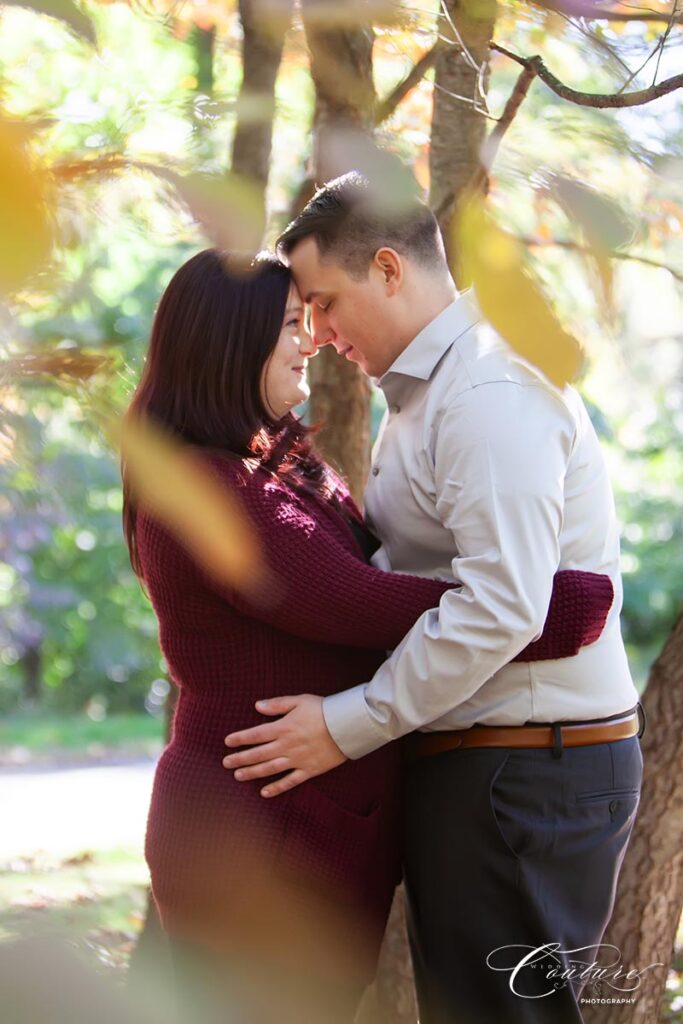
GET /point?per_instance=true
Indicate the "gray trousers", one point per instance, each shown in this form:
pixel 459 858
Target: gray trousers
pixel 507 850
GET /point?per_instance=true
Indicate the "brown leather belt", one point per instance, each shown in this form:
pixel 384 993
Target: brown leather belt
pixel 577 734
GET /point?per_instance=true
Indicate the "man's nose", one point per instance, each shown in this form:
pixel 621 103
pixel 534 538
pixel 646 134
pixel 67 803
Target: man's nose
pixel 308 346
pixel 324 337
pixel 321 332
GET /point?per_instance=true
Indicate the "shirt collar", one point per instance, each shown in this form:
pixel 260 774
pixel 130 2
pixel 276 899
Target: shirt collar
pixel 426 349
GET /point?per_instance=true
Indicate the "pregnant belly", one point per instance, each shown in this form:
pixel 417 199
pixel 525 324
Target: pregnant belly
pixel 224 861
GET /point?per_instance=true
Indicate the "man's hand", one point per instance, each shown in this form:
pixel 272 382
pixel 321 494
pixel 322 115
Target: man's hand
pixel 299 741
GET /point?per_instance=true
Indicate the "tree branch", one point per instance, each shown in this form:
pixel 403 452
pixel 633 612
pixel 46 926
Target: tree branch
pixel 591 99
pixel 590 12
pixel 492 144
pixel 387 106
pixel 562 243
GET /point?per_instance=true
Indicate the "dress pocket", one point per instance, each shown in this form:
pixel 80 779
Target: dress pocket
pixel 330 848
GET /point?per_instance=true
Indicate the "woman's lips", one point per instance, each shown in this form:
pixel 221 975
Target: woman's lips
pixel 299 369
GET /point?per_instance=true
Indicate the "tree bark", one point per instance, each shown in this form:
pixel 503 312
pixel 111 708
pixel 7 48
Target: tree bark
pixel 459 124
pixel 650 892
pixel 31 664
pixel 264 25
pixel 341 68
pixel 203 42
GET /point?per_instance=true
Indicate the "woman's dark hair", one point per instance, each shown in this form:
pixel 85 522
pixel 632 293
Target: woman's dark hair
pixel 213 333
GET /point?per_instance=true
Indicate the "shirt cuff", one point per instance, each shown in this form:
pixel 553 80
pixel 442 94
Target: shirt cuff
pixel 351 724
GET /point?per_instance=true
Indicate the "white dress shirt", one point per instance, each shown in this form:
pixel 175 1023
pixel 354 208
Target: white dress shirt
pixel 485 473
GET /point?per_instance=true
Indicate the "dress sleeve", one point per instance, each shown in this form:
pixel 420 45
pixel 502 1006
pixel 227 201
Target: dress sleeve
pixel 319 590
pixel 579 606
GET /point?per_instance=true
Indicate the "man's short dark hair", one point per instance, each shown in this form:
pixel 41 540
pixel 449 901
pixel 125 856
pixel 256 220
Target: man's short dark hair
pixel 350 219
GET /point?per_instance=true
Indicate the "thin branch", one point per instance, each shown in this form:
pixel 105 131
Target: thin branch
pixel 588 11
pixel 592 99
pixel 492 144
pixel 469 100
pixel 597 41
pixel 480 82
pixel 664 38
pixel 562 243
pixel 634 74
pixel 96 166
pixel 387 106
pixel 461 43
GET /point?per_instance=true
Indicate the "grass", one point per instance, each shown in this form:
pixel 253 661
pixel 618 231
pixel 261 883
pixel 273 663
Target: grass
pixel 28 736
pixel 96 899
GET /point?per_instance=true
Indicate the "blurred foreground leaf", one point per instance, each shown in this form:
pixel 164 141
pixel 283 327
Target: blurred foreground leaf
pixel 392 188
pixel 176 486
pixel 510 299
pixel 66 11
pixel 228 208
pixel 602 222
pixel 75 364
pixel 26 233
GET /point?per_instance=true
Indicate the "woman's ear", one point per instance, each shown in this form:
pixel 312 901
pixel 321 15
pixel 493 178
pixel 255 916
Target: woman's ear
pixel 389 264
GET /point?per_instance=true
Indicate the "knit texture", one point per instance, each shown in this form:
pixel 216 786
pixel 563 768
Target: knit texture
pixel 326 626
pixel 578 610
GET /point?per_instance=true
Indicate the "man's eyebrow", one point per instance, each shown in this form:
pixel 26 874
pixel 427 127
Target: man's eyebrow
pixel 312 295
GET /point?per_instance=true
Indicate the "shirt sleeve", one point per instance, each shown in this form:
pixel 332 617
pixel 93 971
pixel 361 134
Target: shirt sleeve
pixel 318 589
pixel 500 460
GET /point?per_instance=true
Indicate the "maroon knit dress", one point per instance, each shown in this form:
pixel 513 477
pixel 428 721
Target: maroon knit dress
pixel 326 628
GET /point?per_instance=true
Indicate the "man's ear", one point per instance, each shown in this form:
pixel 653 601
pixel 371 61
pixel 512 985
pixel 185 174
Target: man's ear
pixel 389 264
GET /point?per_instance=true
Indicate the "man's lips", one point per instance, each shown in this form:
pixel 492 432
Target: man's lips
pixel 345 352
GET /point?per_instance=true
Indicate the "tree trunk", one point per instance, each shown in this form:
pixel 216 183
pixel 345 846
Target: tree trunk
pixel 458 126
pixel 203 42
pixel 31 665
pixel 264 25
pixel 341 68
pixel 650 893
pixel 340 401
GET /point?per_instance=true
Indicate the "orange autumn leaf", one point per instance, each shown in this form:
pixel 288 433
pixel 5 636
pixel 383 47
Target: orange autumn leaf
pixel 175 485
pixel 26 236
pixel 511 300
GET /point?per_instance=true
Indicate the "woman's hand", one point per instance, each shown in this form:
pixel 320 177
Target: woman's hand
pixel 299 741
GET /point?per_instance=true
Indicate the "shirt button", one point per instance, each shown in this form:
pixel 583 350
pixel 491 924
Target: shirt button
pixel 375 470
pixel 395 408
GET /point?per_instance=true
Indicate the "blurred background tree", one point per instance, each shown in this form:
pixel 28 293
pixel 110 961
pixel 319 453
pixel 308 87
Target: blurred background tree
pixel 148 128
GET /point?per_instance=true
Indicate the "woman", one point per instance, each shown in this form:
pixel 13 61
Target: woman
pixel 299 888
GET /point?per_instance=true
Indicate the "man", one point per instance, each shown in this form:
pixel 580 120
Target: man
pixel 524 778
